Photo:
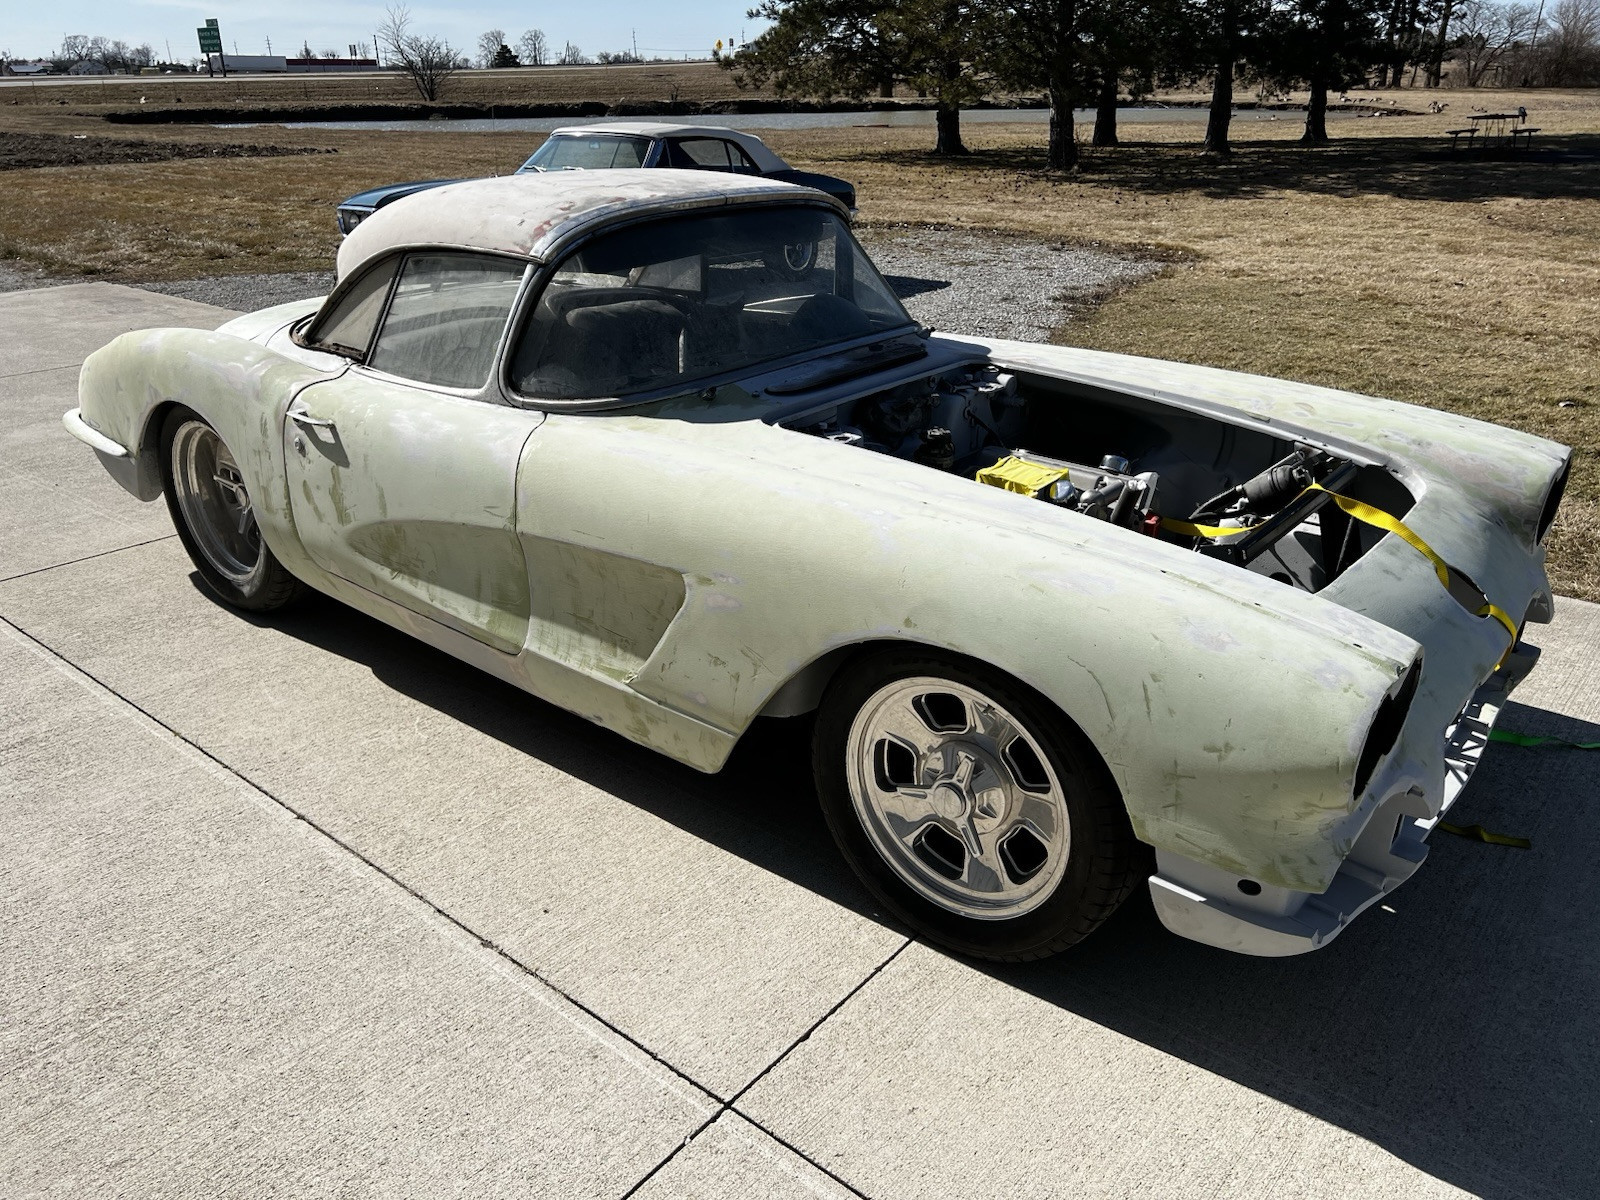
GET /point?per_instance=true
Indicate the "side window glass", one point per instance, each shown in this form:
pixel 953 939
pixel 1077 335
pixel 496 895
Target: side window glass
pixel 741 160
pixel 348 328
pixel 708 154
pixel 446 318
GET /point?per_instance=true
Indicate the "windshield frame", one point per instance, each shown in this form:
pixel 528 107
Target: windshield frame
pixel 534 292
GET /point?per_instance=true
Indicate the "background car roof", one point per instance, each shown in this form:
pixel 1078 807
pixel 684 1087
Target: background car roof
pixel 531 215
pixel 760 153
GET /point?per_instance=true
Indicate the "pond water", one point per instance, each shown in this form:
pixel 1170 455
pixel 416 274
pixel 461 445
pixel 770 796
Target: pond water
pixel 869 120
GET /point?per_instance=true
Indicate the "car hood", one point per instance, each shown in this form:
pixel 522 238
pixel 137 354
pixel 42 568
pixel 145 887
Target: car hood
pixel 379 196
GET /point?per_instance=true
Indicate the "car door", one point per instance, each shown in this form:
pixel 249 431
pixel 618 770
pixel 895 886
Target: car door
pixel 402 477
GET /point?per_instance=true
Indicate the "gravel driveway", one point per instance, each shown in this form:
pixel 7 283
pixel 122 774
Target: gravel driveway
pixel 958 280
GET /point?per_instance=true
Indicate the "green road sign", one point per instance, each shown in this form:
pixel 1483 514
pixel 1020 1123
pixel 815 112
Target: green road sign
pixel 210 40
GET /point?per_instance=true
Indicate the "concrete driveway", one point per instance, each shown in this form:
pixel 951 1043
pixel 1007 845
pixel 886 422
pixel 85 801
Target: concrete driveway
pixel 301 907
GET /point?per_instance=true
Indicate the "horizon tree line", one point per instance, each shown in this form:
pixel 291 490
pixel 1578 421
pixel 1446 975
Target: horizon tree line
pixel 1093 53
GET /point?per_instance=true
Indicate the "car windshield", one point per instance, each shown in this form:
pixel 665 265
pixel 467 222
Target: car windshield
pixel 680 300
pixel 594 151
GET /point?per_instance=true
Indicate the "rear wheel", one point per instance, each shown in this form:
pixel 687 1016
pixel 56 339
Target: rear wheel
pixel 215 517
pixel 971 807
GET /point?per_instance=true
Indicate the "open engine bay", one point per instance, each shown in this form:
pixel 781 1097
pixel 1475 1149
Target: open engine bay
pixel 1228 491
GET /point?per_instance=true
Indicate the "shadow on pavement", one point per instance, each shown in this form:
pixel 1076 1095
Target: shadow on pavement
pixel 1458 1027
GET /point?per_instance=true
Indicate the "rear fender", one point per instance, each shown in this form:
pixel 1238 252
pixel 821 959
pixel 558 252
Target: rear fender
pixel 239 387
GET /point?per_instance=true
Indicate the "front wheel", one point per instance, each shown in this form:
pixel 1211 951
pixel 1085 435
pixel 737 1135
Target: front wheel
pixel 215 517
pixel 971 807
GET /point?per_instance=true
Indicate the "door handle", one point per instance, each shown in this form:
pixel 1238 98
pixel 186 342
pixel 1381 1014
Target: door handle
pixel 302 418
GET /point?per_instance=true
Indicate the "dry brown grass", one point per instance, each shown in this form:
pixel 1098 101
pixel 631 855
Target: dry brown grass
pixel 1380 264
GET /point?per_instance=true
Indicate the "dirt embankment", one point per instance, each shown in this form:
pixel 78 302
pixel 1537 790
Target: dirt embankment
pixel 22 150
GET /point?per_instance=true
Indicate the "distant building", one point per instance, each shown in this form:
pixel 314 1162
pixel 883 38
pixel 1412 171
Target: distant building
pixel 37 67
pixel 259 64
pixel 333 64
pixel 88 66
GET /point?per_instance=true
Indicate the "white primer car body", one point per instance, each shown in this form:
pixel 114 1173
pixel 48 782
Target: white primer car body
pixel 662 481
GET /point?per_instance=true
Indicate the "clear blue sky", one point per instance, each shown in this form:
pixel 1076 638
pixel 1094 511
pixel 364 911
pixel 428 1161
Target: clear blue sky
pixel 666 27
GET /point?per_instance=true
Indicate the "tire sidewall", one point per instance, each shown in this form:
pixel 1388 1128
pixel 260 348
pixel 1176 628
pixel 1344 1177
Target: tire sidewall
pixel 1067 915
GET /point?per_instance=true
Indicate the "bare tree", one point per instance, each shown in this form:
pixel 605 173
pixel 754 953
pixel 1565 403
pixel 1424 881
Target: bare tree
pixel 74 49
pixel 1486 32
pixel 1571 49
pixel 572 56
pixel 531 49
pixel 427 62
pixel 489 44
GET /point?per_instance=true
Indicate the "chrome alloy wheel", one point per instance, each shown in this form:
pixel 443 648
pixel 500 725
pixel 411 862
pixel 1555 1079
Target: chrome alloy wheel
pixel 958 798
pixel 216 507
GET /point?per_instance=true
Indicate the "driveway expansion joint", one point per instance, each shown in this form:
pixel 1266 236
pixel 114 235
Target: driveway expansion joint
pixel 72 562
pixel 369 863
pixel 731 1104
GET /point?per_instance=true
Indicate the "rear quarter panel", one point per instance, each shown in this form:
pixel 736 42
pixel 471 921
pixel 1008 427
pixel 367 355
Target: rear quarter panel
pixel 240 387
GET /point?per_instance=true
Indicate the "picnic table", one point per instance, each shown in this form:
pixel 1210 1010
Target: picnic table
pixel 1496 128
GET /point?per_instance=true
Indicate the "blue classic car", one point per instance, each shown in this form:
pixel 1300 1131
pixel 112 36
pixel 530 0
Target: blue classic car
pixel 629 144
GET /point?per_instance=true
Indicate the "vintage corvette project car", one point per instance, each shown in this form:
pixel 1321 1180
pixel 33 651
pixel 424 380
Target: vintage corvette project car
pixel 624 144
pixel 1066 621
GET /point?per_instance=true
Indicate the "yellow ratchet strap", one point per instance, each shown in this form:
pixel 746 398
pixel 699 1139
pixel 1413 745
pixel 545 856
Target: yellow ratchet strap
pixel 1189 529
pixel 1479 834
pixel 1367 515
pixel 1379 519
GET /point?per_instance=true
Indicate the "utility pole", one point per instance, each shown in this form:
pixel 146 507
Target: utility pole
pixel 635 33
pixel 269 46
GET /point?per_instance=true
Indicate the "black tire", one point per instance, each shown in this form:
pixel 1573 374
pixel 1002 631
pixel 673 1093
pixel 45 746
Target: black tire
pixel 1100 866
pixel 235 563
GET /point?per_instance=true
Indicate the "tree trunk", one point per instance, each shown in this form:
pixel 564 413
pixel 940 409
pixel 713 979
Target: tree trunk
pixel 886 88
pixel 1316 133
pixel 1063 152
pixel 1221 106
pixel 1105 113
pixel 1404 42
pixel 947 120
pixel 1436 68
